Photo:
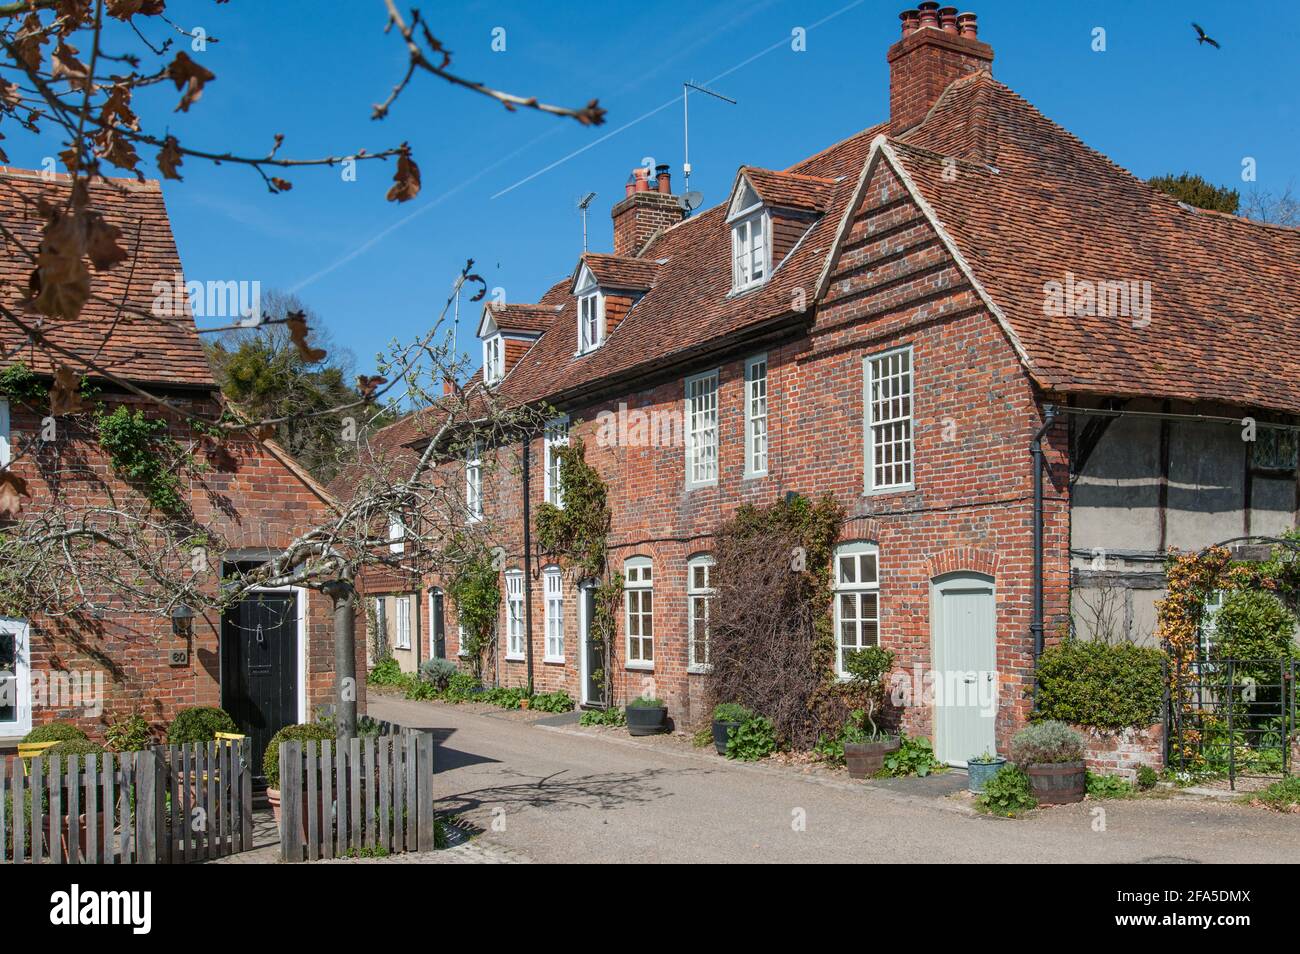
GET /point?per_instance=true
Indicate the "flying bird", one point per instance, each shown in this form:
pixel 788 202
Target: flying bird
pixel 1203 37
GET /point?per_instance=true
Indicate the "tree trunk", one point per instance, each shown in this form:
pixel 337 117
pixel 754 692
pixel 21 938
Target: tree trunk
pixel 345 657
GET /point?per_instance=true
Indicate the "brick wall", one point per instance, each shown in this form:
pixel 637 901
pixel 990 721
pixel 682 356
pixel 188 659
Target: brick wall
pixel 262 505
pixel 970 509
pixel 1122 753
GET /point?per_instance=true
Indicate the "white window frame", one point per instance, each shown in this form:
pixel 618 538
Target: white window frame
pixel 590 312
pixel 638 600
pixel 698 428
pixel 757 439
pixel 396 534
pixel 460 638
pixel 22 679
pixel 857 589
pixel 901 465
pixel 751 249
pixel 553 588
pixel 473 484
pixel 515 648
pixel 6 451
pixel 556 435
pixel 696 594
pixel 402 622
pixel 494 358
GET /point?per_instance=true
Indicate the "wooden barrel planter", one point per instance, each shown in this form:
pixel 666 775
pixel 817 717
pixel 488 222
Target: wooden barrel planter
pixel 865 759
pixel 1058 783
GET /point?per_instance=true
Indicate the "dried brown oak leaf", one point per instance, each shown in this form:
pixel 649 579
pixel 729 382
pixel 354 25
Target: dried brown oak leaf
pixel 65 65
pixel 184 72
pixel 169 158
pixel 65 396
pixel 368 384
pixel 297 325
pixel 12 489
pixel 406 180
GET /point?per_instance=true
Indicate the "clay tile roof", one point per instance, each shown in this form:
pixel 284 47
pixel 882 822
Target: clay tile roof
pixel 789 190
pixel 527 319
pixel 688 306
pixel 1031 204
pixel 621 271
pixel 163 350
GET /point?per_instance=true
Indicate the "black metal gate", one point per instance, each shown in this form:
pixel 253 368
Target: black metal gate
pixel 1235 718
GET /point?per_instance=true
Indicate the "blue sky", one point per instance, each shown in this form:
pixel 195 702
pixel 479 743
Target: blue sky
pixel 1153 101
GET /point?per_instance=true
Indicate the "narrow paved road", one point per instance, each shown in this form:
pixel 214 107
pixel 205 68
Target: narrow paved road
pixel 556 797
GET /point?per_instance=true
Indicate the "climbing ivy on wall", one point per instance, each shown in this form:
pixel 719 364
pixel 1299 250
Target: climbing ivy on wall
pixel 144 455
pixel 578 534
pixel 475 588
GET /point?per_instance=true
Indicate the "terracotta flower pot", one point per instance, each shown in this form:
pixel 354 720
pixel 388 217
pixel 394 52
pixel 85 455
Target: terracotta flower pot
pixel 865 759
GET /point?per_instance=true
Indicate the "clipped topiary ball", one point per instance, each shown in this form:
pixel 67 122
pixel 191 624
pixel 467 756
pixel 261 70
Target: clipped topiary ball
pixel 199 724
pixel 54 732
pixel 307 732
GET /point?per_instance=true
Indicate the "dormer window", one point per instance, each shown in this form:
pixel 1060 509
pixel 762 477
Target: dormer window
pixel 591 312
pixel 494 359
pixel 750 257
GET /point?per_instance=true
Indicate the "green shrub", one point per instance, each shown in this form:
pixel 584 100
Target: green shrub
pixel 731 712
pixel 831 748
pixel 1109 786
pixel 868 668
pixel 613 716
pixel 753 739
pixel 1047 743
pixel 307 732
pixel 367 726
pixel 1283 796
pixel 438 672
pixel 702 737
pixel 73 749
pixel 54 732
pixel 132 734
pixel 461 687
pixel 646 702
pixel 419 689
pixel 914 757
pixel 557 701
pixel 199 724
pixel 1253 625
pixel 1147 778
pixel 1108 686
pixel 1007 793
pixel 386 672
pixel 507 697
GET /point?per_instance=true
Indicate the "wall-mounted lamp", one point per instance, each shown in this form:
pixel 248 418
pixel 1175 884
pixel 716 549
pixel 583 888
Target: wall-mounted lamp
pixel 182 621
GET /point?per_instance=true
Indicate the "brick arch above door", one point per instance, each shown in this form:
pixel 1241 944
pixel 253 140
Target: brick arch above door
pixel 969 559
pixel 859 528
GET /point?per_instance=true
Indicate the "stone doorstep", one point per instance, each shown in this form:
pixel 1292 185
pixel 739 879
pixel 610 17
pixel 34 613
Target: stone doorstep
pixel 911 791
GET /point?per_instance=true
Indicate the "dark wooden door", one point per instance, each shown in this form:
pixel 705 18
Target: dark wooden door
pixel 438 626
pixel 259 667
pixel 593 648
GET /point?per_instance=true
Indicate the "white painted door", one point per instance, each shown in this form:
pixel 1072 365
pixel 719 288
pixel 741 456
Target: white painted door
pixel 963 628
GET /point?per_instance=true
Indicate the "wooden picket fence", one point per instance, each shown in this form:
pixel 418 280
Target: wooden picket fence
pixel 356 797
pixel 165 805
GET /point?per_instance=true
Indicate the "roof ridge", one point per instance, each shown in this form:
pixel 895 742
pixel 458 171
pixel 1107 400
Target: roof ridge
pixel 870 132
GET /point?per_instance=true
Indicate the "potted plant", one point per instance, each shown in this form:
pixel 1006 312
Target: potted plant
pixel 74 750
pixel 981 768
pixel 646 715
pixel 865 745
pixel 727 715
pixel 199 724
pixel 307 732
pixel 1051 754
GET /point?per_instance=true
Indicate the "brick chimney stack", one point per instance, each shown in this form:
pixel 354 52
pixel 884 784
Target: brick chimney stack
pixel 647 206
pixel 939 45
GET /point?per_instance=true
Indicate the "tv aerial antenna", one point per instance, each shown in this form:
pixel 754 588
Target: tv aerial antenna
pixel 583 204
pixel 690 201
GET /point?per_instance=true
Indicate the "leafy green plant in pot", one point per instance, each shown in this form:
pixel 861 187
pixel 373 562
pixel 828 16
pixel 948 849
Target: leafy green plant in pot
pixel 1051 754
pixel 981 768
pixel 727 715
pixel 647 716
pixel 307 732
pixel 865 745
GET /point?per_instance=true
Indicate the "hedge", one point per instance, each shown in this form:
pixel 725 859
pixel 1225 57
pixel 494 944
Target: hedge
pixel 1109 686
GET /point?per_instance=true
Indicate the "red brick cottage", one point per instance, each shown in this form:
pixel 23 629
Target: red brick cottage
pixel 904 319
pixel 269 661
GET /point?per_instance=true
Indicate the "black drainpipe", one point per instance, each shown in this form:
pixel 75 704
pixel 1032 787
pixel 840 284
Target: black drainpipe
pixel 528 563
pixel 1036 454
